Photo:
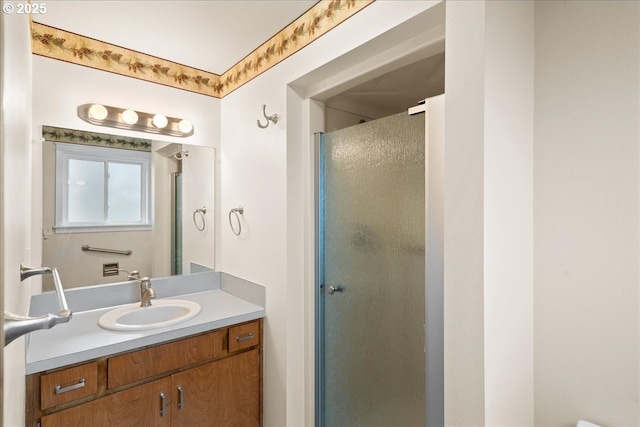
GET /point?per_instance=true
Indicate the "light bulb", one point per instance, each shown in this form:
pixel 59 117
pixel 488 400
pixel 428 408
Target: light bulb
pixel 160 121
pixel 130 117
pixel 185 126
pixel 98 112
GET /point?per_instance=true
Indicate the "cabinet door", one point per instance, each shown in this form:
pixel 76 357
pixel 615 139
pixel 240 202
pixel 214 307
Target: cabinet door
pixel 138 406
pixel 225 393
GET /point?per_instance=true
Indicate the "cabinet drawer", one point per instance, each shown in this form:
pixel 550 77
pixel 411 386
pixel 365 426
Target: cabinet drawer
pixel 69 384
pixel 138 365
pixel 244 336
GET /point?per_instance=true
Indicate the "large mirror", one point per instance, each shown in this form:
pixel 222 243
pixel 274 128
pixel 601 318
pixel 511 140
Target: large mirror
pixel 113 202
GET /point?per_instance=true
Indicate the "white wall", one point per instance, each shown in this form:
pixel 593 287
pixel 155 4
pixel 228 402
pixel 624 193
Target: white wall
pixel 587 189
pixel 488 214
pixel 15 152
pixel 585 121
pixel 508 214
pixel 463 215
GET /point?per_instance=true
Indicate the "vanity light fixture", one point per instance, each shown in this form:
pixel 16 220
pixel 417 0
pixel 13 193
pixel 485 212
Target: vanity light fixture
pixel 121 118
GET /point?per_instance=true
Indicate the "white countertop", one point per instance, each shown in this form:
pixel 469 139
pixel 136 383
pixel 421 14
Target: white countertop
pixel 81 339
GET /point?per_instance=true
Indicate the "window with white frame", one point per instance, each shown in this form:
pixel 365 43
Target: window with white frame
pixel 102 189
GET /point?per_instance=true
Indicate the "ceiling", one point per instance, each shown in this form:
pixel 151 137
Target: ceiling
pixel 395 91
pixel 209 35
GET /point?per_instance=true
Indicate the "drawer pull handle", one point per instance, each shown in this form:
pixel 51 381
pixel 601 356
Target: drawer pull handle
pixel 247 337
pixel 163 405
pixel 59 389
pixel 180 397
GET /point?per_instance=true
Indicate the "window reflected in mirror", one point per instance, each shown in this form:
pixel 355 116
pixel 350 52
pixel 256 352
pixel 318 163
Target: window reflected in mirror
pixel 102 189
pixel 125 194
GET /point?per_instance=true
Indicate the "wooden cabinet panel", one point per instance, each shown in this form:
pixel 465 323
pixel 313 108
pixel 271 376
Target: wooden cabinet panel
pixel 69 384
pixel 244 336
pixel 238 380
pixel 225 393
pixel 137 406
pixel 146 363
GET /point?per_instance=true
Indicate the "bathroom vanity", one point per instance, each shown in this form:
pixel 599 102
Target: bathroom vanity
pixel 204 371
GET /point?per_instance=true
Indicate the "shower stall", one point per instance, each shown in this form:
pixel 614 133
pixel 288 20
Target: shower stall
pixel 379 276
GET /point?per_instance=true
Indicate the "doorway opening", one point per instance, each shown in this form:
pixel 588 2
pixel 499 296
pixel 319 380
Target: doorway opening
pixel 372 287
pixel 310 99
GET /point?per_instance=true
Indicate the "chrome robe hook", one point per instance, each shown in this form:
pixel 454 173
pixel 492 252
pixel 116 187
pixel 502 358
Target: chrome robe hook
pixel 272 118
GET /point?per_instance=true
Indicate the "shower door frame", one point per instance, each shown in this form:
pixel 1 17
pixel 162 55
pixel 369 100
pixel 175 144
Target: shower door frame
pixel 319 280
pixel 432 109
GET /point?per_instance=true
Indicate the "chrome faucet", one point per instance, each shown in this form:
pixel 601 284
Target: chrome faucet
pixel 16 326
pixel 146 291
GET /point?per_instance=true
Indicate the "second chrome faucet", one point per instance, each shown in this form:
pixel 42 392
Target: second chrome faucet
pixel 146 291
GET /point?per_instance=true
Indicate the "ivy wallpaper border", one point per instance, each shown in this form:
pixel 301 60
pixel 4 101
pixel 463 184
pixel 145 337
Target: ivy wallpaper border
pixel 74 48
pixel 77 49
pixel 73 136
pixel 317 21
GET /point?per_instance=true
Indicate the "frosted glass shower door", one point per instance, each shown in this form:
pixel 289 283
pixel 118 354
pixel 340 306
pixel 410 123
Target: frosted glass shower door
pixel 372 274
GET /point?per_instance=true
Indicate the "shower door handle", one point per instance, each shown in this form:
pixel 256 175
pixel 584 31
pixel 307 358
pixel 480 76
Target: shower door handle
pixel 332 289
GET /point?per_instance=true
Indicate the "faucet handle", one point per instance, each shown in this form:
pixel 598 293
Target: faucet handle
pixel 15 326
pixel 133 274
pixel 26 272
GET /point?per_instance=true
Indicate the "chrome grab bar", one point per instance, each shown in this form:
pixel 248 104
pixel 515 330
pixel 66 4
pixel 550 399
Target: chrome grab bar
pixel 87 248
pixel 15 326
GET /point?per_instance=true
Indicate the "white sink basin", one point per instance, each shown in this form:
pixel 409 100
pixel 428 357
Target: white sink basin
pixel 161 313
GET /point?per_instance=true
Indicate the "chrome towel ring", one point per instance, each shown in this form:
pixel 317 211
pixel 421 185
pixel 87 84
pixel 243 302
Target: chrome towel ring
pixel 201 211
pixel 235 212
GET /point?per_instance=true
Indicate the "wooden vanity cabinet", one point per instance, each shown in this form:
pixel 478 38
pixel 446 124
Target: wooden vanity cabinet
pixel 210 379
